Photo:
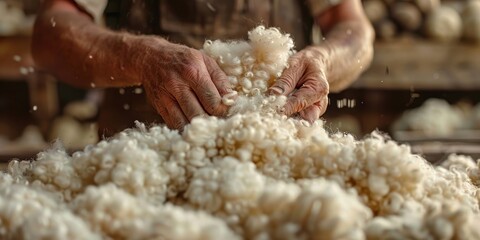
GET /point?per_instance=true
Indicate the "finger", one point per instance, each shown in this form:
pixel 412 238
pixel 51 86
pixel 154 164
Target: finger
pixel 313 113
pixel 171 112
pixel 310 92
pixel 207 92
pixel 189 104
pixel 323 105
pixel 289 79
pixel 219 78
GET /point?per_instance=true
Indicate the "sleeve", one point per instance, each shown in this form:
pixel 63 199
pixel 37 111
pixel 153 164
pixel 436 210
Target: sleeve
pixel 93 7
pixel 319 6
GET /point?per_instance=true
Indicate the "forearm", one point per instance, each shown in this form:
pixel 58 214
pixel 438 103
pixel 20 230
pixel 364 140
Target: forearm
pixel 77 51
pixel 348 47
pixel 348 50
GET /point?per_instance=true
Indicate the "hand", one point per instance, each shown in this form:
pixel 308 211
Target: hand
pixel 305 84
pixel 182 83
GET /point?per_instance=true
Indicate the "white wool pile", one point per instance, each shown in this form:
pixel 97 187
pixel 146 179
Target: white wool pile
pixel 442 213
pixel 23 209
pixel 255 175
pixel 306 211
pixel 436 117
pixel 449 220
pixel 109 211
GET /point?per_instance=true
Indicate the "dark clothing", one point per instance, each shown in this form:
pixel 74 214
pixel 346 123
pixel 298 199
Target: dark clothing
pixel 191 22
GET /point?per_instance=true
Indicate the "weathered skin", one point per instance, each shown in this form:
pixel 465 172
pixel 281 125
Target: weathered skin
pixel 182 82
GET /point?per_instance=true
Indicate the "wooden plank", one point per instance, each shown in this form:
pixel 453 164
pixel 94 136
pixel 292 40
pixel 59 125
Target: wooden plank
pixel 425 65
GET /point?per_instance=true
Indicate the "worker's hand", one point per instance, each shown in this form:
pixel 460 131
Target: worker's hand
pixel 182 83
pixel 305 84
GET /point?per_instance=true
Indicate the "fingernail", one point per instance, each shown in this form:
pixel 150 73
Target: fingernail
pixel 310 120
pixel 276 90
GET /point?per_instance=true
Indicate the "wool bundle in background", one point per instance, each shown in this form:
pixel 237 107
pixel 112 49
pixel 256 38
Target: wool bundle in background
pixel 254 175
pixel 438 118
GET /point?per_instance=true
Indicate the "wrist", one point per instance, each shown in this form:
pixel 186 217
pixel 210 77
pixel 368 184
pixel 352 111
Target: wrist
pixel 146 52
pixel 112 59
pixel 322 56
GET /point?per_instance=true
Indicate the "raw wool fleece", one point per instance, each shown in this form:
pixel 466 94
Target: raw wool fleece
pixel 255 175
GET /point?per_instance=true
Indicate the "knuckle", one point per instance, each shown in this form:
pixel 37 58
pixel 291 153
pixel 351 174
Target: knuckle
pixel 160 110
pixel 299 103
pixel 317 86
pixel 191 71
pixel 155 99
pixel 302 104
pixel 182 96
pixel 286 81
pixel 177 90
pixel 208 60
pixel 294 61
pixel 313 85
pixel 219 78
pixel 177 124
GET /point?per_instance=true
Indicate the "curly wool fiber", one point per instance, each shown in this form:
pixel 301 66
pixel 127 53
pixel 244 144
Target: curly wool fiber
pixel 254 175
pixel 27 213
pixel 109 211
